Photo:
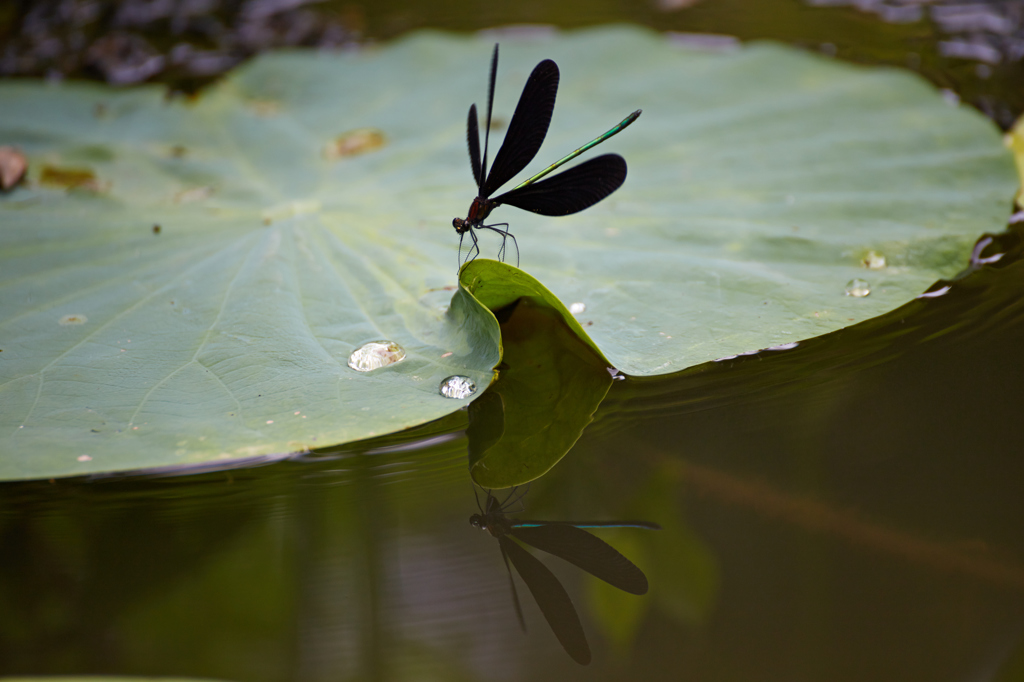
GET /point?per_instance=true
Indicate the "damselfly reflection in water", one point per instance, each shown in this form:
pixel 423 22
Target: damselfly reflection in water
pixel 568 192
pixel 566 540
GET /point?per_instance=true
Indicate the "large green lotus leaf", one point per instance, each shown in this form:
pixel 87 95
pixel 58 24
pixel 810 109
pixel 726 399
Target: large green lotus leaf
pixel 759 180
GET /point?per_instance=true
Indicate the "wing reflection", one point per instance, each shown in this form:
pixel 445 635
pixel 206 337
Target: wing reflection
pixel 568 541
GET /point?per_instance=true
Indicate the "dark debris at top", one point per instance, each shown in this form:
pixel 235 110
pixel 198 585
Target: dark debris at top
pixel 981 30
pixel 185 43
pixel 985 37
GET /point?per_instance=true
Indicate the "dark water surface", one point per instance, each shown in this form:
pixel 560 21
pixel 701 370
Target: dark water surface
pixel 850 509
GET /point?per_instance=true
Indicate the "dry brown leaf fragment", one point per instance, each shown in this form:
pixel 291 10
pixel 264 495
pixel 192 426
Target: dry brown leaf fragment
pixel 13 165
pixel 354 142
pixel 71 178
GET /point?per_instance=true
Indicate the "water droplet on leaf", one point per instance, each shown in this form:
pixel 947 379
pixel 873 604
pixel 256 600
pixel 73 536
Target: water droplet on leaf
pixel 457 387
pixel 374 355
pixel 873 261
pixel 858 288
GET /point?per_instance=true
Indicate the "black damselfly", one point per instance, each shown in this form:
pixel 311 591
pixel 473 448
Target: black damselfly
pixel 568 192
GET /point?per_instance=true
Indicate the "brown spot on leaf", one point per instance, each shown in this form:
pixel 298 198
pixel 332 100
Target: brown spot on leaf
pixel 74 318
pixel 265 107
pixel 71 178
pixel 193 194
pixel 13 165
pixel 156 229
pixel 353 143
